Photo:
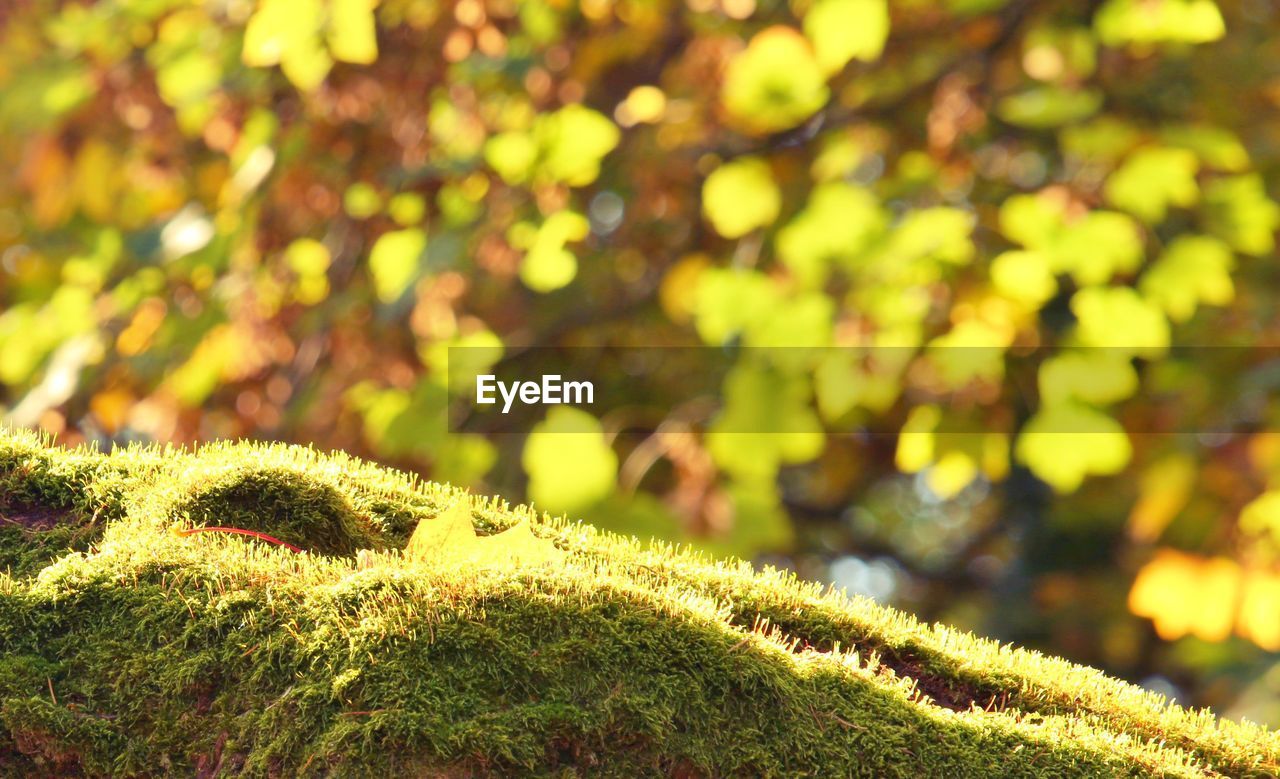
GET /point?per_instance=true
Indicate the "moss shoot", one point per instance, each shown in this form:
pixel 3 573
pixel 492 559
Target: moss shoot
pixel 132 651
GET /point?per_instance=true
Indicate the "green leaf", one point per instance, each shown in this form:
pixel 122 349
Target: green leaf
pixel 400 423
pixel 728 300
pixel 459 359
pixel 760 523
pixel 1059 55
pixel 1239 211
pixel 1097 246
pixel 838 223
pixel 767 421
pixel 34 98
pixel 1067 442
pixel 1105 139
pixel 844 382
pixel 1216 147
pixel 548 265
pixel 1117 318
pixel 1121 22
pixel 1097 376
pixel 804 320
pixel 565 146
pixel 1151 180
pixel 1031 220
pixel 1092 247
pixel 1049 106
pixel 569 462
pixel 938 234
pixel 842 30
pixel 1194 269
pixel 971 350
pixel 740 196
pixel 775 83
pixel 463 458
pixel 572 142
pixel 394 262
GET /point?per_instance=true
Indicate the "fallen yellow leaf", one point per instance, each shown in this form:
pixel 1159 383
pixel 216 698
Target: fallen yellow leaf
pixel 450 539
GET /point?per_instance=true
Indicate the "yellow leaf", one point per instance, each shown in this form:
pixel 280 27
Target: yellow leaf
pixel 1065 443
pixel 1097 246
pixel 569 461
pixel 111 407
pixel 352 37
pixel 394 261
pixel 1164 490
pixel 307 257
pixel 286 33
pixel 1144 22
pixel 680 285
pixel 915 442
pixel 1152 179
pixel 571 142
pixel 1262 516
pixel 450 539
pixel 306 66
pixel 451 530
pixel 277 27
pixel 1183 593
pixel 1187 594
pixel 954 471
pixel 1098 376
pixel 549 265
pixel 512 154
pixel 1117 318
pixel 1264 453
pixel 1258 609
pixel 96 180
pixel 775 83
pixel 1025 277
pixel 842 30
pixel 837 224
pixel 740 196
pixel 1194 269
pixel 950 460
pixel 972 350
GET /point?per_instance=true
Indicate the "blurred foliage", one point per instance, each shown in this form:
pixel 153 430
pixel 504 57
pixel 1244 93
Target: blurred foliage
pixel 271 218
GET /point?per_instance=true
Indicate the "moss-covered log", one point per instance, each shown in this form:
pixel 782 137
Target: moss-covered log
pixel 129 650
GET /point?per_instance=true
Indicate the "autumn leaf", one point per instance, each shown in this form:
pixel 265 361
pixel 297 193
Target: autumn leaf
pixel 450 539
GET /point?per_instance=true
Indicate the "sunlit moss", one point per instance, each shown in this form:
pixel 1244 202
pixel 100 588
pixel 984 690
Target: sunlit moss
pixel 132 651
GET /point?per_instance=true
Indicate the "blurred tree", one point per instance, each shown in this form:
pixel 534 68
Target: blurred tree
pixel 271 219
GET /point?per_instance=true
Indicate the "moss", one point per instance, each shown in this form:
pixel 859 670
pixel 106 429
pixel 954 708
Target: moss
pixel 130 651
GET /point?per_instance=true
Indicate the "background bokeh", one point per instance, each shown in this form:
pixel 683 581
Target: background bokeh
pixel 271 219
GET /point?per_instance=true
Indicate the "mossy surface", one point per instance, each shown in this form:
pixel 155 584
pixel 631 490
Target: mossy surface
pixel 131 651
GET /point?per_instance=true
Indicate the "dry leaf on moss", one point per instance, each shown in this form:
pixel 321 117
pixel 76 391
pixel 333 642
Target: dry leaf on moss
pixel 450 538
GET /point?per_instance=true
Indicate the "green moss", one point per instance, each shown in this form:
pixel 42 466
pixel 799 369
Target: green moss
pixel 132 651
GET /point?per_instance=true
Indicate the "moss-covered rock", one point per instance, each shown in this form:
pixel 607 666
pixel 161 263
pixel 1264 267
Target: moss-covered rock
pixel 129 650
